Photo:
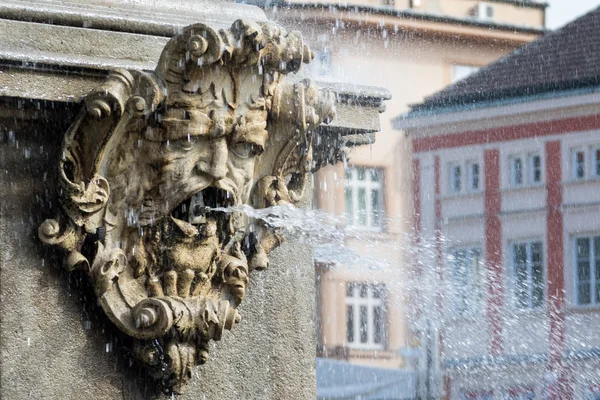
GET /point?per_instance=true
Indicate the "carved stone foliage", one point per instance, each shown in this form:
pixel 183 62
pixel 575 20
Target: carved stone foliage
pixel 152 175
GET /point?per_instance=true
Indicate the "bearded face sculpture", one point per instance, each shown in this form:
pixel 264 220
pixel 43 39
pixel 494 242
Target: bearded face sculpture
pixel 155 170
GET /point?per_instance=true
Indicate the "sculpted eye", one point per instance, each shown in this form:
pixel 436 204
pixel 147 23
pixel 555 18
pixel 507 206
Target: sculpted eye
pixel 246 150
pixel 184 143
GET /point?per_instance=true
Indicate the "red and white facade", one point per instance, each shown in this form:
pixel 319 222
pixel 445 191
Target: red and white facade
pixel 509 197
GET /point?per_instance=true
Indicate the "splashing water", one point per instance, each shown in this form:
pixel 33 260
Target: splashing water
pixel 327 234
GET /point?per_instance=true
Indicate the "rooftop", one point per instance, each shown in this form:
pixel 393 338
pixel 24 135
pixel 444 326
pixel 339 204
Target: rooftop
pixel 333 10
pixel 563 60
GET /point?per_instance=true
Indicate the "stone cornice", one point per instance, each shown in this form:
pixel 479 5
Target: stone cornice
pixel 155 18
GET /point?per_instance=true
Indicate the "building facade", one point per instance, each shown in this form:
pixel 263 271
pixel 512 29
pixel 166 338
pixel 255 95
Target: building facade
pixel 412 48
pixel 506 188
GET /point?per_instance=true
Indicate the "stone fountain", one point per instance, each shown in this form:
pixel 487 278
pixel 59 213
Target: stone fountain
pixel 134 134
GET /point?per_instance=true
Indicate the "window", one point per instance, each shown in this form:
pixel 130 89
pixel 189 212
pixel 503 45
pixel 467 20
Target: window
pixel 525 170
pixel 484 11
pixel 579 164
pixel 455 178
pixel 460 71
pixel 365 315
pixel 363 197
pixel 535 168
pixel 473 176
pixel 585 163
pixel 528 274
pixel 516 171
pixel 464 176
pixel 587 278
pixel 596 166
pixel 467 274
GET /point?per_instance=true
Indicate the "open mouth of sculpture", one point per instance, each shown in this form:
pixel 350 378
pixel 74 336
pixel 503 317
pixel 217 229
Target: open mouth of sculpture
pixel 205 207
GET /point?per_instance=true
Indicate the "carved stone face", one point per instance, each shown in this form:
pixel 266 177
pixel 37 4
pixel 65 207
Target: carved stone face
pixel 195 155
pixel 208 169
pixel 155 170
pixel 198 177
pixel 193 181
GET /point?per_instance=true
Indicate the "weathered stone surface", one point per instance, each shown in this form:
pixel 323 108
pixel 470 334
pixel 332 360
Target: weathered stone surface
pixel 45 346
pixel 159 18
pixel 53 336
pixel 263 364
pixel 153 173
pixel 54 345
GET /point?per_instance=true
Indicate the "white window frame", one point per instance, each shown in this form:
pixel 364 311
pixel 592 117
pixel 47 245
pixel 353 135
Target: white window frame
pixel 574 163
pixel 513 171
pixel 527 170
pixel 595 160
pixel 353 184
pixel 474 287
pixel 529 265
pixel 470 176
pixel 482 11
pixel 531 168
pixel 370 302
pixel 590 162
pixel 452 181
pixel 593 279
pixel 465 180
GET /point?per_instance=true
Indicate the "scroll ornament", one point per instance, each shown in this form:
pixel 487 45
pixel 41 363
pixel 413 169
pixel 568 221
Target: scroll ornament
pixel 153 172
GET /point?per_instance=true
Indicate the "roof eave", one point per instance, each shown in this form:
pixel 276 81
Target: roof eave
pixel 524 4
pixel 408 14
pixel 545 101
pixel 506 94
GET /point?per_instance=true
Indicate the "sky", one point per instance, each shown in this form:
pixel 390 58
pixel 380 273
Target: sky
pixel 561 12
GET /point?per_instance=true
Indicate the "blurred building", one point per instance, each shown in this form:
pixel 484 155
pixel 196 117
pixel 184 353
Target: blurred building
pixel 412 48
pixel 506 167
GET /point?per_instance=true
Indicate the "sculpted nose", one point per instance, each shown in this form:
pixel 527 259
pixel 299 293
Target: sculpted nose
pixel 240 274
pixel 218 165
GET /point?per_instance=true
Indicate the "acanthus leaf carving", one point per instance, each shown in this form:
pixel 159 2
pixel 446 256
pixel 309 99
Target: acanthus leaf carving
pixel 154 171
